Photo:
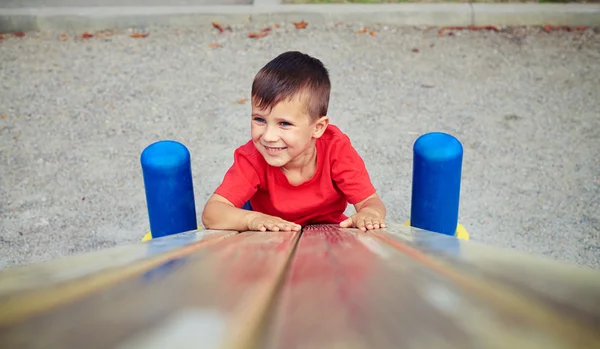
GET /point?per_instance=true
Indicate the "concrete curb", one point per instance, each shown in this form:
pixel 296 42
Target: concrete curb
pixel 264 11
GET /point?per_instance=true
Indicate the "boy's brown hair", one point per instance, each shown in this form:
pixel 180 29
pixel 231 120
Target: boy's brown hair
pixel 293 74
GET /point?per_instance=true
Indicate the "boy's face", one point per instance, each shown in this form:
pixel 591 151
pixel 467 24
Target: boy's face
pixel 285 135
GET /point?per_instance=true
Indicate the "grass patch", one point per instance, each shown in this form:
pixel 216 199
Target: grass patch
pixel 429 1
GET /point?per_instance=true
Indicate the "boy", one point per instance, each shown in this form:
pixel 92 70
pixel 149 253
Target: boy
pixel 297 169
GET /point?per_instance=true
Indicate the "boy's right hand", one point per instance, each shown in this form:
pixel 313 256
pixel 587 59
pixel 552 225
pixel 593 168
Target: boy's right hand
pixel 262 222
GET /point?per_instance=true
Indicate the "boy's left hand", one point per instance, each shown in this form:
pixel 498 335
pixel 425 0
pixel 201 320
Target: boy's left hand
pixel 364 220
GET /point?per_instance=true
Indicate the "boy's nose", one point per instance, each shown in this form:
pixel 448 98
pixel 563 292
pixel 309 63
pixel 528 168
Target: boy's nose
pixel 270 135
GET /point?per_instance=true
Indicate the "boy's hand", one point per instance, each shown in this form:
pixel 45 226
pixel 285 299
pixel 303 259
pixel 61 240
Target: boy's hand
pixel 263 222
pixel 364 220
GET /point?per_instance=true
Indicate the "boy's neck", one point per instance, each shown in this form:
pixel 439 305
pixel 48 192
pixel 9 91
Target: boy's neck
pixel 303 167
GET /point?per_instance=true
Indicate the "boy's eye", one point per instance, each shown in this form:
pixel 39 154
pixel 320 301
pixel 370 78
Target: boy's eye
pixel 259 119
pixel 285 124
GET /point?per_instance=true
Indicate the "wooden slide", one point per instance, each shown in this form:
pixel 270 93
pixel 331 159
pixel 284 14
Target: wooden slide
pixel 325 287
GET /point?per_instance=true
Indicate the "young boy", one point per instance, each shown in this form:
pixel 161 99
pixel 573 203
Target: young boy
pixel 297 169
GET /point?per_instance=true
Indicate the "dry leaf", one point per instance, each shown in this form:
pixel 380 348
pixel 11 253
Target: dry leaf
pixel 86 35
pixel 214 45
pixel 257 35
pixel 300 25
pixel 276 25
pixel 3 116
pixel 373 33
pixel 139 35
pixel 415 50
pixel 217 26
pixel 242 100
pixel 19 34
pixel 104 35
pixel 64 37
pixel 2 36
pixel 361 31
pixel 266 29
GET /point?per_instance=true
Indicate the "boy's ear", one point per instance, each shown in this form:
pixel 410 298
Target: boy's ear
pixel 320 126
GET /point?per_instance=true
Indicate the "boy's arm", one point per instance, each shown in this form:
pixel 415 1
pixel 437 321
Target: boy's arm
pixel 220 213
pixel 370 214
pixel 372 204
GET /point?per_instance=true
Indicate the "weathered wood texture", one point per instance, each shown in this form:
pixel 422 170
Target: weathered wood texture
pixel 326 287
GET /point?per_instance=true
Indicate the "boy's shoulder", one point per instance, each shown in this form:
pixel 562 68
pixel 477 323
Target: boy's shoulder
pixel 249 152
pixel 334 138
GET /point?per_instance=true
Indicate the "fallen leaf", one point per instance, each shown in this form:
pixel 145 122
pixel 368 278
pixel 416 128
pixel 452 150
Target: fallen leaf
pixel 139 35
pixel 214 45
pixel 254 35
pixel 415 50
pixel 442 29
pixel 104 34
pixel 19 34
pixel 266 29
pixel 276 25
pixel 242 100
pixel 361 31
pixel 64 37
pixel 3 116
pixel 218 27
pixel 300 25
pixel 86 35
pixel 427 86
pixel 373 33
pixel 2 36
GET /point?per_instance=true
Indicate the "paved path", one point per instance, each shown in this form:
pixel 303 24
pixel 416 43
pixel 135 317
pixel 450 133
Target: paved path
pixel 108 3
pixel 76 115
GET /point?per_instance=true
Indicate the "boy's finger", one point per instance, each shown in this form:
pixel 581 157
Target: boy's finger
pixel 361 224
pixel 272 227
pixel 346 222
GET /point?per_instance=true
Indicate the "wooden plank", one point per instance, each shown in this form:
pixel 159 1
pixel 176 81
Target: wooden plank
pixel 36 275
pixel 223 288
pixel 568 289
pixel 31 289
pixel 348 289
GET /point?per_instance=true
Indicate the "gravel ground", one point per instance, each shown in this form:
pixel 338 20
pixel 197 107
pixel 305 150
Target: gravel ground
pixel 76 115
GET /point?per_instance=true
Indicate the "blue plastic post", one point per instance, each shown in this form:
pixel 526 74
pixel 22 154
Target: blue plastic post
pixel 437 167
pixel 167 172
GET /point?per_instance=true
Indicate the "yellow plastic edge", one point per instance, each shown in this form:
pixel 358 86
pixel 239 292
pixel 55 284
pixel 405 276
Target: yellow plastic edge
pixel 461 232
pixel 148 235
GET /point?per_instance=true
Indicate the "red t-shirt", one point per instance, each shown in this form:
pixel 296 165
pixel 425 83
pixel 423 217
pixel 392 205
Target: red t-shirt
pixel 341 178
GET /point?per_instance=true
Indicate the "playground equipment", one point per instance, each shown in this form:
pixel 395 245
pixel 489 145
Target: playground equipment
pixel 167 171
pixel 326 287
pixel 323 287
pixel 437 167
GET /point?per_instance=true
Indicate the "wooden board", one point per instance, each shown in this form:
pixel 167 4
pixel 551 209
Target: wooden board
pixel 347 289
pixel 571 290
pixel 224 286
pixel 326 287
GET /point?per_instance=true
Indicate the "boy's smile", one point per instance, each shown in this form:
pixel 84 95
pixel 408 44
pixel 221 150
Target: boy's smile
pixel 285 135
